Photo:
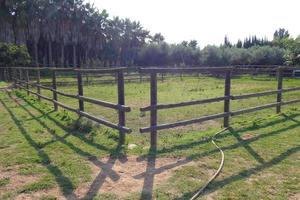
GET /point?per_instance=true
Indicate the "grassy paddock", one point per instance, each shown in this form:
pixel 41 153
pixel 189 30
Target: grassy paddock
pixel 261 149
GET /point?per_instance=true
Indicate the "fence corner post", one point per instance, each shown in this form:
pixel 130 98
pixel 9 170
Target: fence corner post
pixel 121 101
pixel 227 95
pixel 153 113
pixel 279 88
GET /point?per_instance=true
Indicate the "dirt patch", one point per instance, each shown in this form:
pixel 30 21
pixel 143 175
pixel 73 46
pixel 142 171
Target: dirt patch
pixel 210 196
pixel 199 126
pixel 247 136
pixel 38 195
pixel 295 197
pixel 8 88
pixel 15 180
pixel 129 175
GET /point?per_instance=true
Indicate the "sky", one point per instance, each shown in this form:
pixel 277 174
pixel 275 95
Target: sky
pixel 208 21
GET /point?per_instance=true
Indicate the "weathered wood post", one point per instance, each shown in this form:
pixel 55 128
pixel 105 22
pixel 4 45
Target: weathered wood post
pixel 7 75
pixel 121 101
pixel 27 81
pixel 153 112
pixel 14 75
pixel 80 90
pixel 54 87
pixel 38 82
pixel 2 74
pixel 141 78
pixel 279 88
pixel 227 95
pixel 20 76
pixel 10 74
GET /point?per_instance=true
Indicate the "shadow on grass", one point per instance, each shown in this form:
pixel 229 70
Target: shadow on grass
pixel 65 128
pixel 148 176
pixel 236 132
pixel 215 185
pixel 64 182
pixel 245 173
pixel 151 170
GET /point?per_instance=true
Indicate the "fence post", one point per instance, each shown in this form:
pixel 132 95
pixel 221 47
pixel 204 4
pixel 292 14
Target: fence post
pixel 38 82
pixel 14 75
pixel 279 88
pixel 121 101
pixel 20 77
pixel 227 94
pixel 80 90
pixel 54 87
pixel 3 74
pixel 27 81
pixel 9 74
pixel 153 113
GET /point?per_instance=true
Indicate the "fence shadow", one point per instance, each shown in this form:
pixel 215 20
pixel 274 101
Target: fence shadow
pixel 236 132
pixel 65 184
pixel 65 128
pixel 150 172
pixel 263 165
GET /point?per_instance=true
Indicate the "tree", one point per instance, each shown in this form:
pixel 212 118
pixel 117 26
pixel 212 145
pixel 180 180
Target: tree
pixel 193 44
pixel 281 33
pixel 239 44
pixel 227 42
pixel 158 38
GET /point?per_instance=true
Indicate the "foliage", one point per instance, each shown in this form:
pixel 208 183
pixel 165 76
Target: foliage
pixel 72 33
pixel 13 55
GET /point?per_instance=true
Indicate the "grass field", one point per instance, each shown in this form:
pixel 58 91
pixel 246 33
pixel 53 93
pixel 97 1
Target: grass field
pixel 50 155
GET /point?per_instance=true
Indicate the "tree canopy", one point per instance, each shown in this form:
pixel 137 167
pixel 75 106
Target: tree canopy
pixel 72 33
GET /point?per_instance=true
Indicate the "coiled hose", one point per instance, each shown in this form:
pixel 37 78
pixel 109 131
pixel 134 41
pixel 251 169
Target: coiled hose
pixel 198 193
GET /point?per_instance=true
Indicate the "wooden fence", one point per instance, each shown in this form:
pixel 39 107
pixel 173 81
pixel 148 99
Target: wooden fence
pixel 20 75
pixel 227 98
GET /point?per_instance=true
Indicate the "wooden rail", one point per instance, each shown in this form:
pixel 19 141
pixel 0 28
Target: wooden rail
pixel 22 80
pixel 227 98
pixel 24 83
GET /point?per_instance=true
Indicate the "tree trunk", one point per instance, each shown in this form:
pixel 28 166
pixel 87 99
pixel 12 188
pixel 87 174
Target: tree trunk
pixel 62 54
pixel 74 55
pixel 36 60
pixel 86 59
pixel 50 53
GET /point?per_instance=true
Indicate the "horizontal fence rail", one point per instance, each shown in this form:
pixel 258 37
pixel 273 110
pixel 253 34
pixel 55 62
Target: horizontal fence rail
pixel 22 80
pixel 22 75
pixel 227 98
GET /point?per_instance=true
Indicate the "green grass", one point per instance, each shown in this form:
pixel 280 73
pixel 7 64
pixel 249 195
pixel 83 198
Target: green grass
pixel 3 84
pixel 4 181
pixel 58 149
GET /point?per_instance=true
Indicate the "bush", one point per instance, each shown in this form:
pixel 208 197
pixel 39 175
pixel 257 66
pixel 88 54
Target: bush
pixel 13 55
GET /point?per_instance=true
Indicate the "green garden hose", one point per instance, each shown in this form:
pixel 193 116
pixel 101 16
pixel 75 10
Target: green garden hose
pixel 198 193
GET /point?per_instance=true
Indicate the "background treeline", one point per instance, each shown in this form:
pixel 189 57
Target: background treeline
pixel 71 33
